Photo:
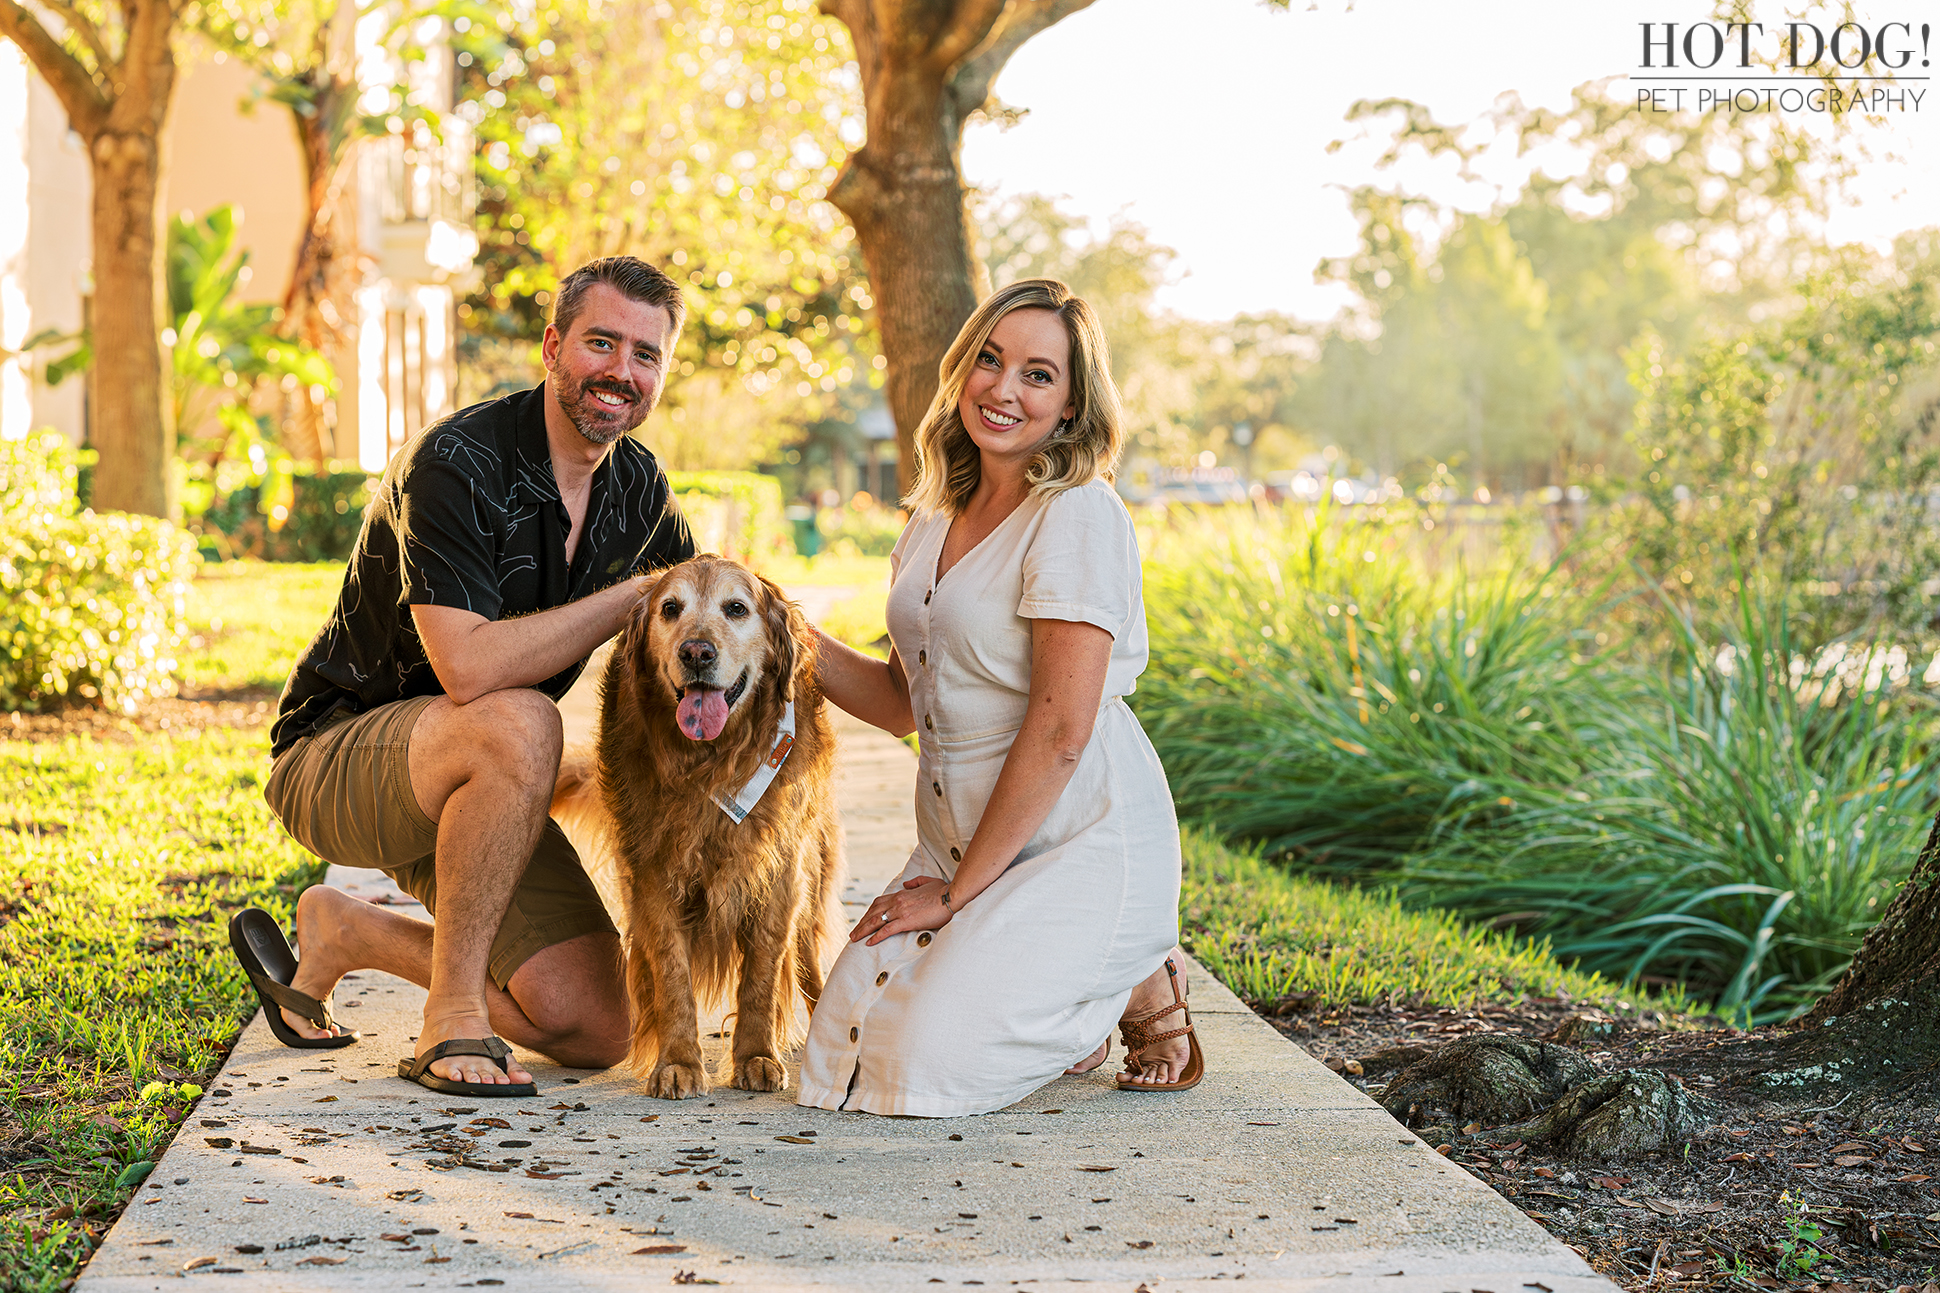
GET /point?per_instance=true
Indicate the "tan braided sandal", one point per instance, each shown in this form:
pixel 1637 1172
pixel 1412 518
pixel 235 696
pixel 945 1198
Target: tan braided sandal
pixel 1138 1034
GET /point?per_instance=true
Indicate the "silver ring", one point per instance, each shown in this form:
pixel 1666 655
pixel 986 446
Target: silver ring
pixel 884 917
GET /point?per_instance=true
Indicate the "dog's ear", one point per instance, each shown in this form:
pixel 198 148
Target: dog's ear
pixel 639 621
pixel 789 638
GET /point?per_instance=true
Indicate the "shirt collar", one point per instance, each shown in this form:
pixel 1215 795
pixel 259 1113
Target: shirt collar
pixel 535 451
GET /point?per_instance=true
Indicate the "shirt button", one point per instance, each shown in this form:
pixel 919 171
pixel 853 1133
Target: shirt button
pixel 927 725
pixel 855 1034
pixel 923 657
pixel 937 786
pixel 923 939
pixel 955 856
pixel 926 597
pixel 882 978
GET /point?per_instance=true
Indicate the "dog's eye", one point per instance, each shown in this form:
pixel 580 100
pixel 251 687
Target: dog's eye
pixel 734 610
pixel 670 609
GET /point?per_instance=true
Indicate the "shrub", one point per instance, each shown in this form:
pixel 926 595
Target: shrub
pixel 91 604
pixel 859 529
pixel 275 510
pixel 1731 816
pixel 735 513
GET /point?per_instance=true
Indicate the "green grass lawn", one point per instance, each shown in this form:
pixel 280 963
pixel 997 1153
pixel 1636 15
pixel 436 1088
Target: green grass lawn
pixel 118 994
pixel 1267 934
pixel 249 620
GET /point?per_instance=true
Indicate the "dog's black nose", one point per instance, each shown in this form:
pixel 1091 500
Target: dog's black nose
pixel 696 654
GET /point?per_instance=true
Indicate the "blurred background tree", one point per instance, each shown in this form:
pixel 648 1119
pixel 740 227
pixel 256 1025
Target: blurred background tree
pixel 703 138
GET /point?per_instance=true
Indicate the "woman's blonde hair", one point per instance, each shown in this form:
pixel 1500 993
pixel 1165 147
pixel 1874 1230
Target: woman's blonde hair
pixel 1079 451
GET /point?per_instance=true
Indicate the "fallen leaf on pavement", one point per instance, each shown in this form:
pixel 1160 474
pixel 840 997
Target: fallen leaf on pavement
pixel 249 1199
pixel 1141 1243
pixel 321 1260
pixel 653 1250
pixel 1851 1160
pixel 1093 1167
pixel 198 1263
pixel 797 1140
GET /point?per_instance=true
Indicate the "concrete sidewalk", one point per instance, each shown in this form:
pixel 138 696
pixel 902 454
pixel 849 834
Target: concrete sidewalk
pixel 322 1170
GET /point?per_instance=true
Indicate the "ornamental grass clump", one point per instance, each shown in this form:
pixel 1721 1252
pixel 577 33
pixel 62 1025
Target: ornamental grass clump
pixel 1718 806
pixel 91 604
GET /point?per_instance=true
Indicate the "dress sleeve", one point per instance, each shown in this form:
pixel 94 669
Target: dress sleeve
pixel 448 534
pixel 1083 562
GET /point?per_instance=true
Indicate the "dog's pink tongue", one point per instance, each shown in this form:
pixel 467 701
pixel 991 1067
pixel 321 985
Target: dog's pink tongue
pixel 702 712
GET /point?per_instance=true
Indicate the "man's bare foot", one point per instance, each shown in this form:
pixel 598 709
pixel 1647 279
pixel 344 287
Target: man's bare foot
pixel 1161 1063
pixel 320 939
pixel 465 1068
pixel 1090 1061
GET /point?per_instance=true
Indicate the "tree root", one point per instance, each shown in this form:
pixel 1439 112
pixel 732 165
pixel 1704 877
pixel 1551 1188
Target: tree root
pixel 1613 1116
pixel 1491 1079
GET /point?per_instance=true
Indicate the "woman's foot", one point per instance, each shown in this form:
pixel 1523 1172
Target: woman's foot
pixel 1092 1060
pixel 1163 1062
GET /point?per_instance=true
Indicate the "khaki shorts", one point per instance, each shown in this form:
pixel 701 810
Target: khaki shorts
pixel 344 792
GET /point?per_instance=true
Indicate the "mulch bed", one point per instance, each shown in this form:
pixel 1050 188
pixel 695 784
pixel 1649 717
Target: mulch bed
pixel 1724 1212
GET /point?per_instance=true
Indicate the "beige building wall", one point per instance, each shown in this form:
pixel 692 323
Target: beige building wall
pixel 224 153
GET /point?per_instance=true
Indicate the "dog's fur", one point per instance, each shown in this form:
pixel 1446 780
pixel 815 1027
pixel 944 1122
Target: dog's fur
pixel 711 904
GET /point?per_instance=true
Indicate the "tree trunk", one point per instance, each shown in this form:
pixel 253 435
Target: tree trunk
pixel 310 312
pixel 903 192
pixel 925 69
pixel 129 382
pixel 1901 951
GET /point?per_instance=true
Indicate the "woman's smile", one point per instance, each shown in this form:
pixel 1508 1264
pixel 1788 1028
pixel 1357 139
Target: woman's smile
pixel 1018 390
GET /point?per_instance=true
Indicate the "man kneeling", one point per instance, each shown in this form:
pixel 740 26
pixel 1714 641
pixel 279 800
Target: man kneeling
pixel 419 733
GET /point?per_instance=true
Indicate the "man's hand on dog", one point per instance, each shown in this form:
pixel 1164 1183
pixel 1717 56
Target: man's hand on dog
pixel 918 906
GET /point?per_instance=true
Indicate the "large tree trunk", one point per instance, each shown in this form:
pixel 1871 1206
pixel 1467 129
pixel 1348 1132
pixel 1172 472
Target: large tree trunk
pixel 925 68
pixel 129 381
pixel 310 306
pixel 1900 952
pixel 903 192
pixel 118 104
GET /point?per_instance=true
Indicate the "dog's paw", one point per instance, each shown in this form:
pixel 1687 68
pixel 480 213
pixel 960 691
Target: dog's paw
pixel 677 1082
pixel 760 1073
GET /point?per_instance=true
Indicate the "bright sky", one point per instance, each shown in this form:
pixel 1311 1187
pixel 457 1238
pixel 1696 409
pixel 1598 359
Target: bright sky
pixel 1213 132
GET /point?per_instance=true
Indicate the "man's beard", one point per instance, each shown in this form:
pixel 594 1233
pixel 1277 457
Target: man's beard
pixel 598 423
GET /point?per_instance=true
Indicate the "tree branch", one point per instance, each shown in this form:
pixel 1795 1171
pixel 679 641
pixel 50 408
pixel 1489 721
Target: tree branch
pixel 972 25
pixel 87 107
pixel 969 85
pixel 90 35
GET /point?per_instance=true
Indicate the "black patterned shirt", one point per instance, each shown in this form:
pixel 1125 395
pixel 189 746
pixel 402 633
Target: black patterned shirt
pixel 468 514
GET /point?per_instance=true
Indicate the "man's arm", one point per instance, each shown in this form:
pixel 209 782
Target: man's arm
pixel 473 655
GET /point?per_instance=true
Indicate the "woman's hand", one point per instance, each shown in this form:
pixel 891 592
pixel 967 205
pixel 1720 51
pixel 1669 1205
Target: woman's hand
pixel 918 906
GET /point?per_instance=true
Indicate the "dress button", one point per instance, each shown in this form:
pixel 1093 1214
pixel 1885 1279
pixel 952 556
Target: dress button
pixel 882 978
pixel 927 725
pixel 926 596
pixel 937 786
pixel 923 939
pixel 855 1034
pixel 955 856
pixel 923 656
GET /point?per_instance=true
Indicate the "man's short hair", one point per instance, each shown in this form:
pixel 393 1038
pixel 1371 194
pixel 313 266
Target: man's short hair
pixel 630 276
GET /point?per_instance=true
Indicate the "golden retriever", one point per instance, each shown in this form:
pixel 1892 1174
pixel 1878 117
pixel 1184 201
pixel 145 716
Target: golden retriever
pixel 691 708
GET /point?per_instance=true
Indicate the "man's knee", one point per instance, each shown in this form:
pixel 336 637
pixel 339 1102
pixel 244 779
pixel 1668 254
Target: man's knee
pixel 517 734
pixel 574 993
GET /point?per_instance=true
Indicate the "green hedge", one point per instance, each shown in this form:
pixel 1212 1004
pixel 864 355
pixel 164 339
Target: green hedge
pixel 735 513
pixel 280 511
pixel 91 604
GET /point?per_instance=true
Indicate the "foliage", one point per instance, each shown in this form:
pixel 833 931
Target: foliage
pixel 224 350
pixel 702 138
pixel 1732 817
pixel 90 603
pixel 1188 386
pixel 118 992
pixel 1267 934
pixel 271 508
pixel 1806 449
pixel 1495 336
pixel 860 527
pixel 249 621
pixel 735 513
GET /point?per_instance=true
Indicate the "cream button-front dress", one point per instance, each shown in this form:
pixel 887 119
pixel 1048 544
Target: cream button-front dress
pixel 1031 976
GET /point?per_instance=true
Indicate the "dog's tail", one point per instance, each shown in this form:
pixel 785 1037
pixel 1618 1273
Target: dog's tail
pixel 581 813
